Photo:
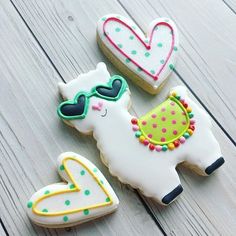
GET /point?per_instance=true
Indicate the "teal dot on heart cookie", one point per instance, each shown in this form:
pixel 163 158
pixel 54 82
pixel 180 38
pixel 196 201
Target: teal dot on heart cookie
pixel 127 60
pixel 147 54
pixel 159 45
pixel 67 202
pixel 152 72
pixel 95 170
pixel 62 167
pixel 139 69
pixel 131 37
pixel 47 192
pixel 65 218
pixel 171 66
pixel 175 48
pixel 162 61
pixel 82 172
pixel 119 45
pixel 134 52
pixel 86 192
pixel 72 186
pixel 86 212
pixel 117 29
pixel 29 204
pixel 45 210
pixel 104 18
pixel 133 27
pixel 108 199
pixel 101 182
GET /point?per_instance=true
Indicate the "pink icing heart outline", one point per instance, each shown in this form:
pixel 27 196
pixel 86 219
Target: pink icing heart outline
pixel 147 46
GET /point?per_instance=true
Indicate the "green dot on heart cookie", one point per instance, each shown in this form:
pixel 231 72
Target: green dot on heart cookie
pixel 117 29
pixel 134 52
pixel 87 192
pixel 159 45
pixel 147 54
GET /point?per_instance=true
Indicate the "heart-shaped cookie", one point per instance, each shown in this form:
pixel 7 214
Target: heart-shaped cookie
pixel 147 60
pixel 85 195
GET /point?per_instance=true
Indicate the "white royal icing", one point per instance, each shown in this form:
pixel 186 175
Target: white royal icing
pixel 152 172
pixel 153 64
pixel 91 200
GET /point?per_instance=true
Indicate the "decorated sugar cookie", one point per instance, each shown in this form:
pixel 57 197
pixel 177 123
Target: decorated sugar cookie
pixel 146 59
pixel 84 195
pixel 144 151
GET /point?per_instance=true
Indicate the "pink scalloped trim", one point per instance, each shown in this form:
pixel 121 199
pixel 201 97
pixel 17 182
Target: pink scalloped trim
pixel 147 46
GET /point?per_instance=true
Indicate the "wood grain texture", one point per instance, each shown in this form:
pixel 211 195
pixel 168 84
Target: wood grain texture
pixel 32 137
pixel 66 31
pixel 231 4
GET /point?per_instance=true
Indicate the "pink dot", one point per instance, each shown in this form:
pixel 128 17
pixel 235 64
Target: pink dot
pixel 192 122
pixel 154 125
pixel 172 103
pixel 184 123
pixel 182 139
pixel 154 116
pixel 173 112
pixel 163 139
pixel 144 122
pixel 183 113
pixel 163 118
pixel 173 122
pixel 175 132
pixel 163 130
pixel 149 135
pixel 158 148
pixel 145 142
pixel 135 128
pixel 163 109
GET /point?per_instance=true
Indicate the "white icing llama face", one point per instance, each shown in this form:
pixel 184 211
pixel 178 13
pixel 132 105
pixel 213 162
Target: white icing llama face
pixel 83 196
pixel 151 57
pixel 99 110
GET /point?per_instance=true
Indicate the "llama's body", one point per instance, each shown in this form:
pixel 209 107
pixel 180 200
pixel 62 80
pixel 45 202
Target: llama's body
pixel 151 171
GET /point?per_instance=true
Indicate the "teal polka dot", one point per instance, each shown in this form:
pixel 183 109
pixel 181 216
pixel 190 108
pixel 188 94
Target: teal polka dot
pixel 166 20
pixel 134 52
pixel 152 72
pixel 162 61
pixel 45 210
pixel 159 45
pixel 67 202
pixel 72 186
pixel 101 182
pixel 62 167
pixel 133 27
pixel 171 66
pixel 147 54
pixel 108 199
pixel 29 204
pixel 131 37
pixel 47 192
pixel 95 170
pixel 127 60
pixel 120 45
pixel 104 18
pixel 146 41
pixel 86 192
pixel 82 172
pixel 86 212
pixel 175 48
pixel 65 218
pixel 117 29
pixel 139 69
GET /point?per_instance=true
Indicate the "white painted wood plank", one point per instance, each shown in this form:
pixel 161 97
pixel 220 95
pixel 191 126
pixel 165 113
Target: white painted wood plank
pixel 231 4
pixel 67 33
pixel 32 137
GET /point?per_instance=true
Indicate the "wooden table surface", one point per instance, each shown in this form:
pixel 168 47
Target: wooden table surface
pixel 43 42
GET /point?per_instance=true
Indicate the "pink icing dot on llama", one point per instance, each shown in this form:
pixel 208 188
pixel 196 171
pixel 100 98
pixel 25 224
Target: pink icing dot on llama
pixel 184 122
pixel 149 135
pixel 163 139
pixel 172 112
pixel 173 122
pixel 172 103
pixel 163 109
pixel 154 116
pixel 154 125
pixel 144 122
pixel 163 118
pixel 164 130
pixel 175 132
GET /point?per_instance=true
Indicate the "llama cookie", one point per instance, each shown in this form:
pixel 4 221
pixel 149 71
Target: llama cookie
pixel 84 195
pixel 145 151
pixel 146 59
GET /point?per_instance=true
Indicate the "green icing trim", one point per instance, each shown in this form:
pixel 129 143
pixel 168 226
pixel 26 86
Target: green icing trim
pixel 93 92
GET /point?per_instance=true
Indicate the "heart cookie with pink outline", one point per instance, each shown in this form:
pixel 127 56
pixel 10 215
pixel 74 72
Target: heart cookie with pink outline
pixel 149 58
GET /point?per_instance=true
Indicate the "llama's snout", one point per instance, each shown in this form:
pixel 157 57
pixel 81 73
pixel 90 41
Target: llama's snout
pixel 98 106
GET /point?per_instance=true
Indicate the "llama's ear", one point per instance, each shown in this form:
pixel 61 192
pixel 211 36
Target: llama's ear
pixel 61 86
pixel 101 66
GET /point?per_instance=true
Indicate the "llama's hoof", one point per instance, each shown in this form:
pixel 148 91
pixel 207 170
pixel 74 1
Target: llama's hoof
pixel 172 195
pixel 219 162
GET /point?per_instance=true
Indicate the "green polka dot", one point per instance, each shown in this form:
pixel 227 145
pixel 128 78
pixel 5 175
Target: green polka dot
pixel 171 66
pixel 134 52
pixel 120 45
pixel 86 192
pixel 175 48
pixel 65 218
pixel 108 199
pixel 45 210
pixel 133 27
pixel 162 61
pixel 72 186
pixel 159 45
pixel 127 60
pixel 47 192
pixel 101 182
pixel 146 41
pixel 86 212
pixel 29 204
pixel 95 170
pixel 62 167
pixel 131 37
pixel 104 18
pixel 117 29
pixel 67 202
pixel 152 72
pixel 139 69
pixel 147 54
pixel 82 172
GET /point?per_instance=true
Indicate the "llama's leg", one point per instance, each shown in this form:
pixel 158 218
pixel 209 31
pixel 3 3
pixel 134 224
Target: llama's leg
pixel 206 156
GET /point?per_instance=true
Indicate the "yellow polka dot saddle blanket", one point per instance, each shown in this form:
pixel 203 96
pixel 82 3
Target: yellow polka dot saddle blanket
pixel 167 126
